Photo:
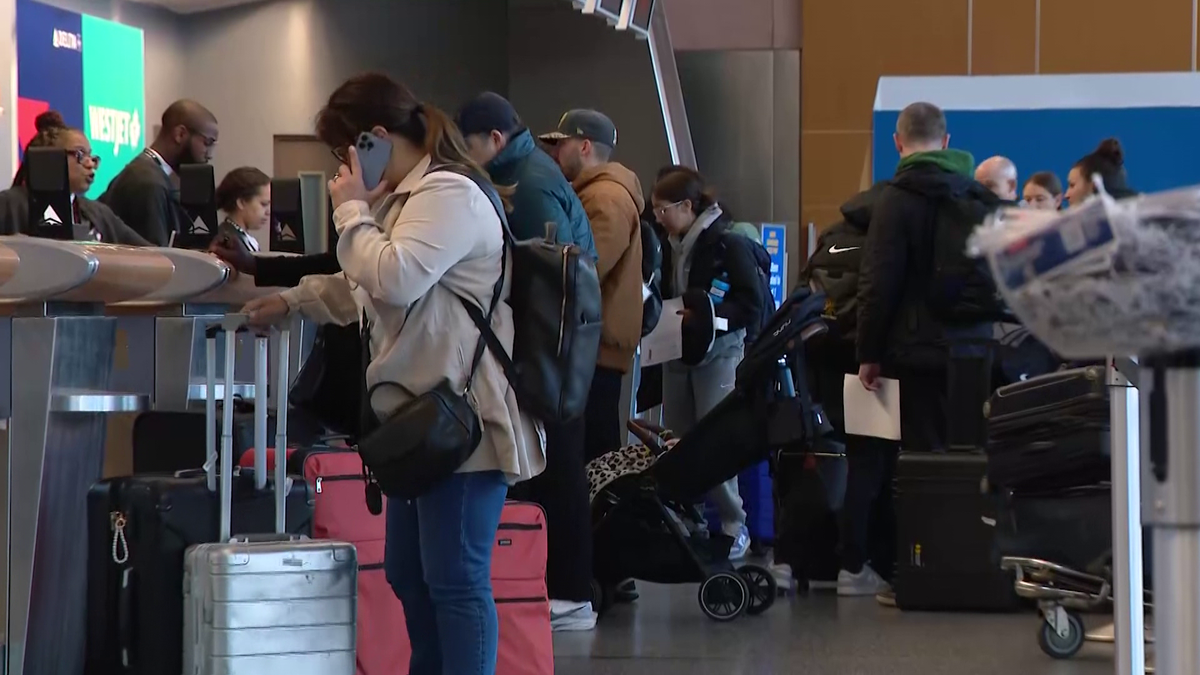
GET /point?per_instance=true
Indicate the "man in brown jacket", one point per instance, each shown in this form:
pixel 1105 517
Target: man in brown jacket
pixel 612 197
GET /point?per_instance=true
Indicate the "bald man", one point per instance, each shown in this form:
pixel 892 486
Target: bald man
pixel 999 174
pixel 146 193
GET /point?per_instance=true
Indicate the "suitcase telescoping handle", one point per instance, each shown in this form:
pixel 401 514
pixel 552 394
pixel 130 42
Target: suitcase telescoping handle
pixel 221 480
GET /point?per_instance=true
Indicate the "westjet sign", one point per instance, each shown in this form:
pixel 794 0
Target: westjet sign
pixel 122 128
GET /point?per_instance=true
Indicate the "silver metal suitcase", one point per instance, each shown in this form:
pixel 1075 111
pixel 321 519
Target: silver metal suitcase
pixel 264 604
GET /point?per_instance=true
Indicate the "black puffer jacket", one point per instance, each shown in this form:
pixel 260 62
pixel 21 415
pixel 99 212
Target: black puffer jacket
pixel 895 324
pixel 720 252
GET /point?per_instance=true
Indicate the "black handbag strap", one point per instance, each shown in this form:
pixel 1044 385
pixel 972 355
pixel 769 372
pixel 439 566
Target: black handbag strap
pixel 494 197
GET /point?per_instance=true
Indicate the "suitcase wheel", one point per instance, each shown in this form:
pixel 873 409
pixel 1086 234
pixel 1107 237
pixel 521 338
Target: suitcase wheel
pixel 763 588
pixel 724 596
pixel 1061 634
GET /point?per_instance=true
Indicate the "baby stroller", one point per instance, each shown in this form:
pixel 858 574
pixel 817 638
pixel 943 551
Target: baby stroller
pixel 644 518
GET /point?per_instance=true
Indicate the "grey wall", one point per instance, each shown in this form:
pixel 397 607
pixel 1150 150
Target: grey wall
pixel 166 57
pixel 266 69
pixel 743 108
pixel 559 59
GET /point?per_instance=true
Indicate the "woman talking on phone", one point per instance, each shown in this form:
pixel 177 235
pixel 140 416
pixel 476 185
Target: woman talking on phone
pixel 418 237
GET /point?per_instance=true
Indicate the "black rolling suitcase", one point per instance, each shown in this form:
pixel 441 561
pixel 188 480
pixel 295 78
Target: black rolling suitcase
pixel 1050 432
pixel 138 530
pixel 945 522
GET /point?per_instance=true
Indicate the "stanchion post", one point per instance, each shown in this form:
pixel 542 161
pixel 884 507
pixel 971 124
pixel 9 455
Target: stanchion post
pixel 1129 614
pixel 1172 507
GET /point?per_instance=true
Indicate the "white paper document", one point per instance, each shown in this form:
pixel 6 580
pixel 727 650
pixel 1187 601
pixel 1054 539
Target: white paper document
pixel 665 342
pixel 872 413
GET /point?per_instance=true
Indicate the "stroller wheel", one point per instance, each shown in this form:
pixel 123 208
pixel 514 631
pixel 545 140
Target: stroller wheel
pixel 1066 644
pixel 724 596
pixel 763 588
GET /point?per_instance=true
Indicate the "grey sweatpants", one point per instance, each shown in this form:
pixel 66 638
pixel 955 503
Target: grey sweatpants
pixel 689 393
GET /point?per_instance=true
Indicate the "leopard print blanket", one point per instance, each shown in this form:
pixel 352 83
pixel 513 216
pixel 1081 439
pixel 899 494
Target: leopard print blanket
pixel 626 461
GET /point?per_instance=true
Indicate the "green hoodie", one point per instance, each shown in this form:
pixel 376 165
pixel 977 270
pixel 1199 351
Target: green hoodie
pixel 954 161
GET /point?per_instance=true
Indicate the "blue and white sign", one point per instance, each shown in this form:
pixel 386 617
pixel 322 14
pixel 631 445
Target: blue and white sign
pixel 774 239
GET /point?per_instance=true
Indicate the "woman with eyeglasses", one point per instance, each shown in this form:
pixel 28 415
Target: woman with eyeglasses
pixel 704 253
pixel 93 220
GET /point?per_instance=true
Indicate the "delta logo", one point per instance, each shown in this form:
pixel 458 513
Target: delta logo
pixel 67 40
pixel 121 128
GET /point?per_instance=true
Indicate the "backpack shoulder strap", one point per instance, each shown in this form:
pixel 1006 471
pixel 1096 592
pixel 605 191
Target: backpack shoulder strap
pixel 482 322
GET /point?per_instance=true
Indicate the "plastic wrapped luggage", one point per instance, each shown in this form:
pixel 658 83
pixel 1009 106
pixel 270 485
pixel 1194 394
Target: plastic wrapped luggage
pixel 139 528
pixel 264 604
pixel 946 533
pixel 1050 432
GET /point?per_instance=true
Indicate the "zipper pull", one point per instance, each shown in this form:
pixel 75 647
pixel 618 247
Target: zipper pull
pixel 318 485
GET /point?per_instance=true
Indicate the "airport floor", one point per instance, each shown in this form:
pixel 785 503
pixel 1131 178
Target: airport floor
pixel 665 633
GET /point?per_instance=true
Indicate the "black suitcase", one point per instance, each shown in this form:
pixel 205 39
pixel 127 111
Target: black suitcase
pixel 1050 432
pixel 809 491
pixel 946 532
pixel 1070 527
pixel 168 441
pixel 139 528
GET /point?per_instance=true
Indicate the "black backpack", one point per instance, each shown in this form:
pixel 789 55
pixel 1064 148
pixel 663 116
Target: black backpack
pixel 652 277
pixel 833 270
pixel 555 299
pixel 961 288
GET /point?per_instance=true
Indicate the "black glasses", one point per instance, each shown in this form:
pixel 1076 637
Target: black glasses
pixel 82 156
pixel 209 141
pixel 340 156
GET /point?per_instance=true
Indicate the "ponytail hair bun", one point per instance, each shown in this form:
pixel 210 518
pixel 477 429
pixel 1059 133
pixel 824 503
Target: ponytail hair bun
pixel 1110 150
pixel 51 119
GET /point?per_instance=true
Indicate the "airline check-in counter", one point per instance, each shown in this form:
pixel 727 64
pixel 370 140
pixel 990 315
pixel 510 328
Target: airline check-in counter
pixel 52 310
pixel 63 309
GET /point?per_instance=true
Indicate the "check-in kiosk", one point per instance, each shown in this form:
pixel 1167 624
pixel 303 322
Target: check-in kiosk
pixel 60 362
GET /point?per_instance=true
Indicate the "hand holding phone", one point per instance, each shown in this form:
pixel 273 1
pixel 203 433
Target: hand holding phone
pixel 361 178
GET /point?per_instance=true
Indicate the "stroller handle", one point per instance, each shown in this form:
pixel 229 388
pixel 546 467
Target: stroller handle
pixel 651 435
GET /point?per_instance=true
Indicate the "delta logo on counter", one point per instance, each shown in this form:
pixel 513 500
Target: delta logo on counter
pixel 90 70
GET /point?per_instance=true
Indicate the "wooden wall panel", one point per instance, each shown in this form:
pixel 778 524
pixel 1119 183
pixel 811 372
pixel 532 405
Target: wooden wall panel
pixel 849 44
pixel 1003 37
pixel 831 163
pixel 1116 36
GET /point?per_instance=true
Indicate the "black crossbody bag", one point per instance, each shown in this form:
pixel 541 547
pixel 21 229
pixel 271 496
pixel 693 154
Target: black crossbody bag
pixel 428 438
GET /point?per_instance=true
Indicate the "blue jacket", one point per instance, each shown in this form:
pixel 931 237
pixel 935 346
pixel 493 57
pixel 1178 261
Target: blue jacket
pixel 543 195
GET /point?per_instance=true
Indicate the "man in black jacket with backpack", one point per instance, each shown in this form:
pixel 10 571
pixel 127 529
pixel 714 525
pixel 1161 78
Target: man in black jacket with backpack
pixel 919 294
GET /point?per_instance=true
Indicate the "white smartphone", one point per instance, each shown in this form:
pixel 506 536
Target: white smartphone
pixel 374 153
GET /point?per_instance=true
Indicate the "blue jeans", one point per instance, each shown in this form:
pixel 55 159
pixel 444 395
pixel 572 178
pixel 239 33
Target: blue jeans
pixel 438 560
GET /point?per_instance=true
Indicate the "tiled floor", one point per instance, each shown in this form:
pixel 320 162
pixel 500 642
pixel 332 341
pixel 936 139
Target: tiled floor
pixel 666 634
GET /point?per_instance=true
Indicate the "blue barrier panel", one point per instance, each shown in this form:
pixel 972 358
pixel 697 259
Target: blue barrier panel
pixel 1048 122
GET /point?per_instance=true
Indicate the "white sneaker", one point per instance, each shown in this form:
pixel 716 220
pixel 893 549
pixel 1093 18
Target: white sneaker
pixel 867 582
pixel 571 616
pixel 783 577
pixel 741 541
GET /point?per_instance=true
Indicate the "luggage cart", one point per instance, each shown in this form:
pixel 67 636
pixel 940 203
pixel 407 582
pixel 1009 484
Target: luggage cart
pixel 1063 596
pixel 1123 278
